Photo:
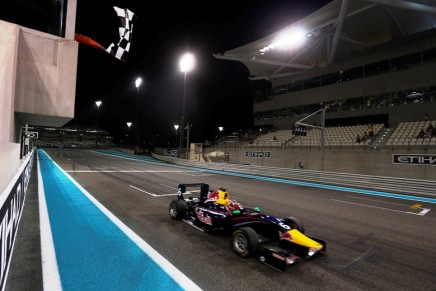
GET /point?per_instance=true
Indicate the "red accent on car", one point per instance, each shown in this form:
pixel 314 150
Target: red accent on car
pixel 285 236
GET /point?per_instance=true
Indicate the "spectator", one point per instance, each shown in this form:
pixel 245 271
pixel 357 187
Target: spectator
pixel 364 136
pixel 300 166
pixel 426 117
pixel 358 140
pixel 371 131
pixel 429 131
pixel 421 134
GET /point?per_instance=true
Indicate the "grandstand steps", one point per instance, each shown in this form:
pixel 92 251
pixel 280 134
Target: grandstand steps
pixel 382 137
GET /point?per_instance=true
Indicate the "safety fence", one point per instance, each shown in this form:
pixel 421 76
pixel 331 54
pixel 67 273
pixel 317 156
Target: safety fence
pixel 377 183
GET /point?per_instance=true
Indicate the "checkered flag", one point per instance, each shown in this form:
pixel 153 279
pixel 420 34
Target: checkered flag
pixel 121 49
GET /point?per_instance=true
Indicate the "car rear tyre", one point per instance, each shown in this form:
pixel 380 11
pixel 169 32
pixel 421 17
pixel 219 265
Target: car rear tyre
pixel 245 242
pixel 177 209
pixel 295 223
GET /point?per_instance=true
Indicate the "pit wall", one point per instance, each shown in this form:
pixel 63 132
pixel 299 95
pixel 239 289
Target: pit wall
pixel 375 162
pixel 11 207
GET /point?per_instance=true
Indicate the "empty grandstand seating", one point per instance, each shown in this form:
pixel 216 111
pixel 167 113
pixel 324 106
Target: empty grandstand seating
pixel 272 139
pixel 333 136
pixel 338 136
pixel 406 134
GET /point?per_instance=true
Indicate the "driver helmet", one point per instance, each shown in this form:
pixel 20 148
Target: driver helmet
pixel 223 197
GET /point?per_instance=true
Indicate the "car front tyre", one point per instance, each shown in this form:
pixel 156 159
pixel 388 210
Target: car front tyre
pixel 245 242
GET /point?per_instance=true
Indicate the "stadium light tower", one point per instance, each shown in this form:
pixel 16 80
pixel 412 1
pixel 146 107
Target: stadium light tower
pixel 176 127
pixel 98 103
pixel 137 84
pixel 186 64
pixel 128 132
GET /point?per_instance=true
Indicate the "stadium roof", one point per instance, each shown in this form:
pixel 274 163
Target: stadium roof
pixel 339 31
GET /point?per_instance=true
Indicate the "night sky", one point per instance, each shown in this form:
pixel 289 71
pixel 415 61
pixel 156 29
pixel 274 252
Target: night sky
pixel 218 92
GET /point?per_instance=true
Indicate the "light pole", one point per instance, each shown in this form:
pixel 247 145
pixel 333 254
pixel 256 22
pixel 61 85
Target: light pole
pixel 188 151
pixel 129 124
pixel 220 128
pixel 137 84
pixel 176 127
pixel 98 103
pixel 186 65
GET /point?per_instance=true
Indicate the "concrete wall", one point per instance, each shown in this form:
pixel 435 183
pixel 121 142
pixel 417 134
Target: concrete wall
pixel 9 148
pixel 415 77
pixel 37 87
pixel 46 78
pixel 377 162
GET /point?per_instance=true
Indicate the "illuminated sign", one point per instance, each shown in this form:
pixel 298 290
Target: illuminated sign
pixel 260 154
pixel 414 159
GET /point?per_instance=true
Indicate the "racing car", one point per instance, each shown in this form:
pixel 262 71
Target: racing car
pixel 276 242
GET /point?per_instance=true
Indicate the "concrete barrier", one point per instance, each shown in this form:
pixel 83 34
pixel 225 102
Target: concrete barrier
pixel 419 187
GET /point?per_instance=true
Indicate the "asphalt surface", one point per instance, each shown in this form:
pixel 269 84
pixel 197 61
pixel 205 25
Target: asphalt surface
pixel 373 243
pixel 25 271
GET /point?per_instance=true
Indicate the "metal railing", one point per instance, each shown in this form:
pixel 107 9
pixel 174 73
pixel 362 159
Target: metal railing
pixel 419 187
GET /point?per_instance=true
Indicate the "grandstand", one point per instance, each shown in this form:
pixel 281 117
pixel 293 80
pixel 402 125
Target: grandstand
pixel 363 63
pixel 333 136
pixel 406 134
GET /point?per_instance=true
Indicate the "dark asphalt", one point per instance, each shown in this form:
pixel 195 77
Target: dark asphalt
pixel 374 243
pixel 25 271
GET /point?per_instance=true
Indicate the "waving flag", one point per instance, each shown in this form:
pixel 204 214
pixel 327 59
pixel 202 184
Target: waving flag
pixel 86 40
pixel 119 50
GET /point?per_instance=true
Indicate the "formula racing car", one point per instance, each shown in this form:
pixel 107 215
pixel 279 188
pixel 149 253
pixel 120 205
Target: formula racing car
pixel 276 242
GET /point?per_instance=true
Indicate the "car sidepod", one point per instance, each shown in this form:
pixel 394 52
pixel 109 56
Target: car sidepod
pixel 211 220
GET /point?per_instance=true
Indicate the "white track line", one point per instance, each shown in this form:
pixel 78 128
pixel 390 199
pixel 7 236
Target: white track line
pixel 408 212
pixel 50 271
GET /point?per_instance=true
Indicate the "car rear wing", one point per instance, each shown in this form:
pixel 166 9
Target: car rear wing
pixel 193 187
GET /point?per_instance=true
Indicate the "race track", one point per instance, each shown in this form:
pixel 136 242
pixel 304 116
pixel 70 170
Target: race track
pixel 373 242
